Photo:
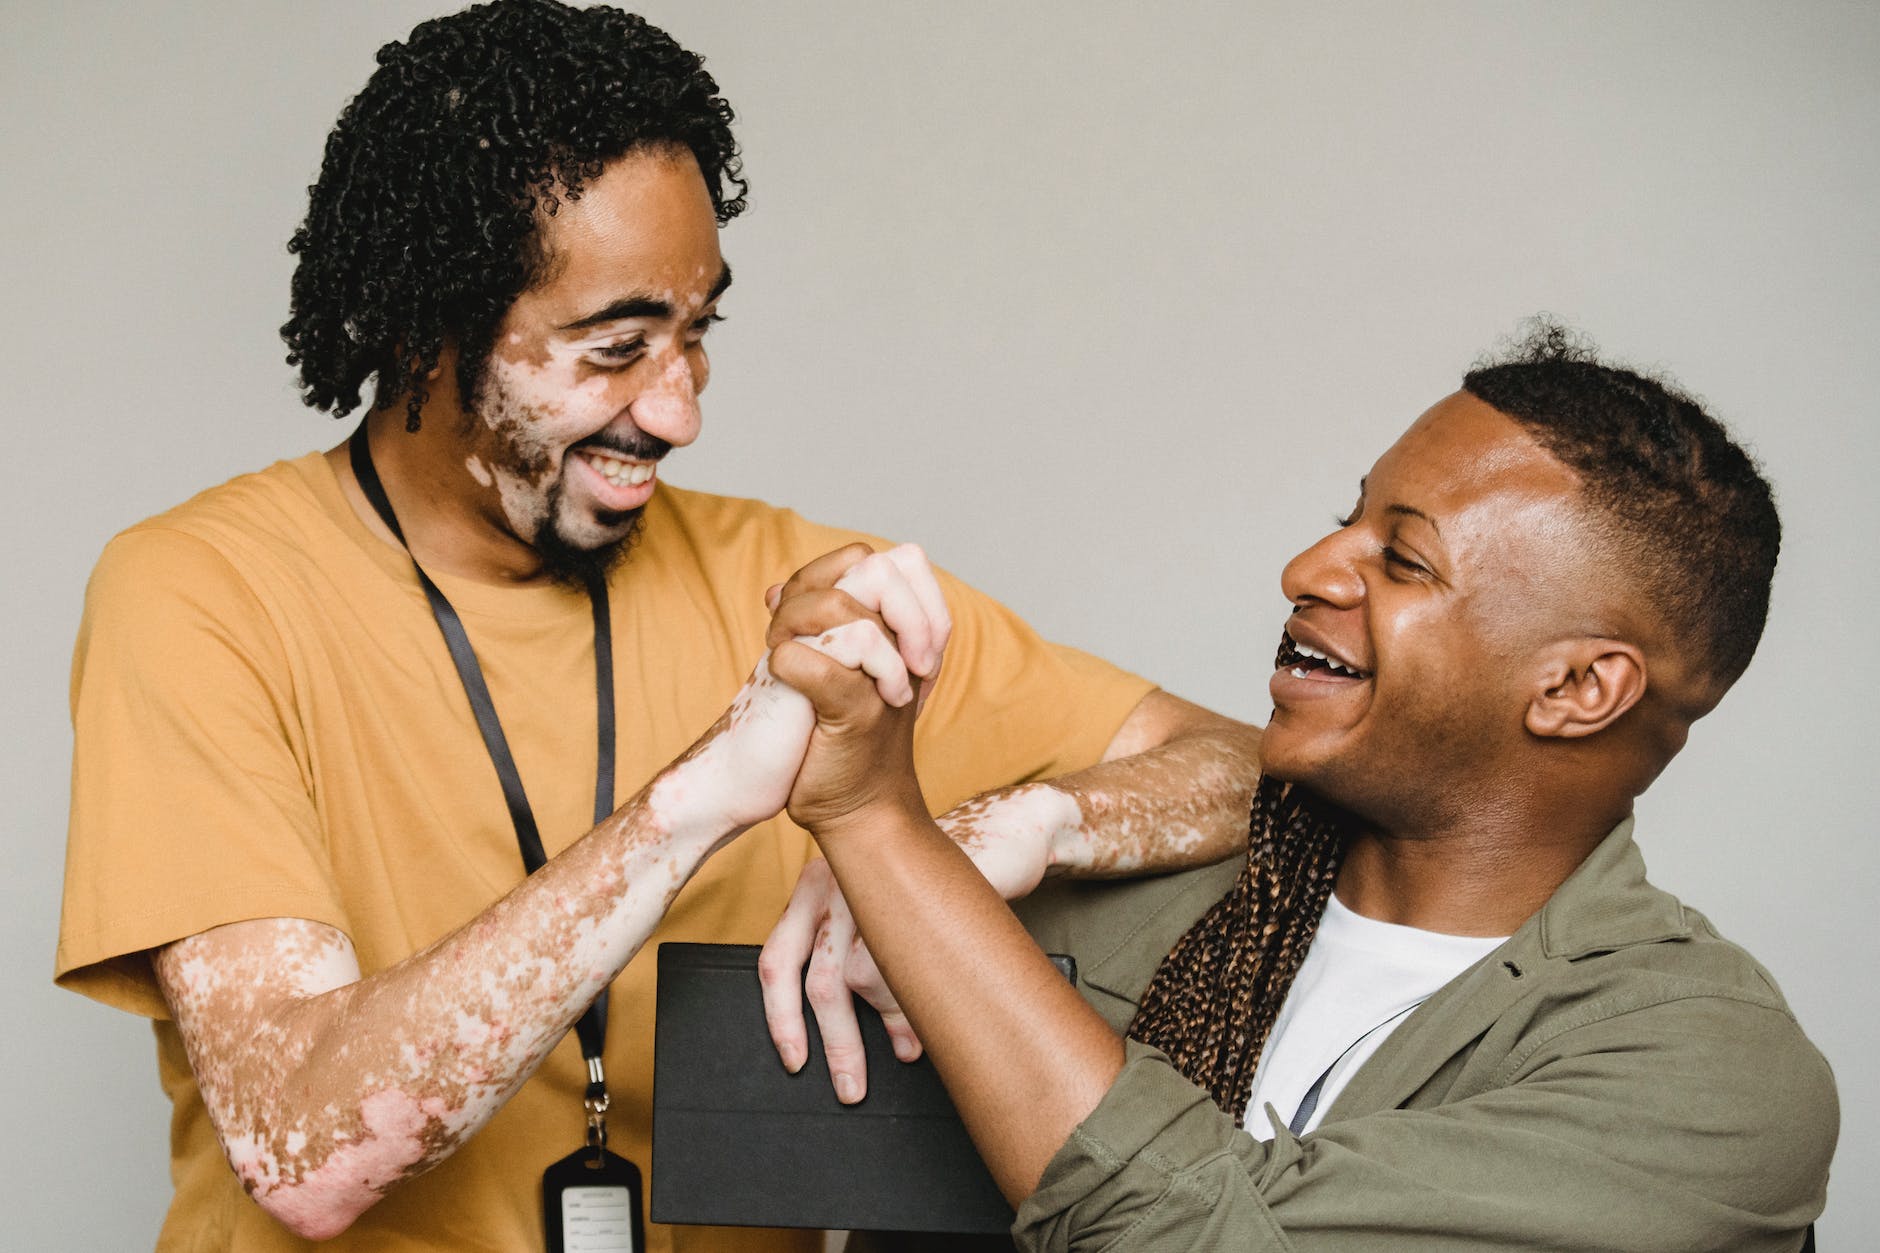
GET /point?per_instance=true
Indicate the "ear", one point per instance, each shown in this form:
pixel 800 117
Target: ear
pixel 1588 684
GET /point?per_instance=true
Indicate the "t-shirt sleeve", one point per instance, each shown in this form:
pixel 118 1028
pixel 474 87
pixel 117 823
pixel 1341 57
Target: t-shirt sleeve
pixel 1011 707
pixel 191 802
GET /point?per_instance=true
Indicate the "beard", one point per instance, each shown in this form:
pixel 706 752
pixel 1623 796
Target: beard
pixel 569 559
pixel 571 565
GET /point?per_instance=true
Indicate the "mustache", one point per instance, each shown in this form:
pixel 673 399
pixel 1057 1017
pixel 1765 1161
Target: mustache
pixel 638 446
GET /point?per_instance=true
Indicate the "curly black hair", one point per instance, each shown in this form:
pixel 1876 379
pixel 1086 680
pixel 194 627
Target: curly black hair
pixel 423 225
pixel 1692 518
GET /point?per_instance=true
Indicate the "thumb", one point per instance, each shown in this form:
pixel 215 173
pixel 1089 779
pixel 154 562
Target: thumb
pixel 840 695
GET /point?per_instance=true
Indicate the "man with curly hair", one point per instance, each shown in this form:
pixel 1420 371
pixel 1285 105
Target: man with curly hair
pixel 328 713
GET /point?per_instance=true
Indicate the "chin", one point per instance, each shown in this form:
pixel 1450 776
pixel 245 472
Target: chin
pixel 1285 753
pixel 573 560
pixel 1326 769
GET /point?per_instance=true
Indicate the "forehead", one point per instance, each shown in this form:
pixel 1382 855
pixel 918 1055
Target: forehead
pixel 645 226
pixel 1467 464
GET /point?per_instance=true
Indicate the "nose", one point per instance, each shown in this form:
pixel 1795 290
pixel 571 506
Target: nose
pixel 1326 573
pixel 668 406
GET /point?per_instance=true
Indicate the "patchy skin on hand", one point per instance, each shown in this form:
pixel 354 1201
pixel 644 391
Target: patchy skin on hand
pixel 328 1089
pixel 740 771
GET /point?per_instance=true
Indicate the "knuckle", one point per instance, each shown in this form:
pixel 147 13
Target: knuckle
pixel 845 1051
pixel 860 970
pixel 825 987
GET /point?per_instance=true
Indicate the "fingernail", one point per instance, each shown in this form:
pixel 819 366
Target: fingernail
pixel 793 1059
pixel 904 1050
pixel 847 1090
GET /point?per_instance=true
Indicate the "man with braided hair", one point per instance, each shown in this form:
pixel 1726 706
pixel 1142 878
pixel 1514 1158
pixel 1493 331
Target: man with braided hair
pixel 1437 1005
pixel 327 713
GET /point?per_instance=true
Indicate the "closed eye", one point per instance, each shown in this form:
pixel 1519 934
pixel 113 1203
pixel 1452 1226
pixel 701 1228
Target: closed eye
pixel 626 350
pixel 1394 558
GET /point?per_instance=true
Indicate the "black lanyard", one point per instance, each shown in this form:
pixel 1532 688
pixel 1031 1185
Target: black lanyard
pixel 1309 1104
pixel 591 1028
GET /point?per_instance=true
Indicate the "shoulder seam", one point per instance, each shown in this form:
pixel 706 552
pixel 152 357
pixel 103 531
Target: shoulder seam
pixel 222 558
pixel 1608 1008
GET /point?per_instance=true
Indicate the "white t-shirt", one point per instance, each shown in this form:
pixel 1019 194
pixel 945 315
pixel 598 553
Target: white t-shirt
pixel 1360 979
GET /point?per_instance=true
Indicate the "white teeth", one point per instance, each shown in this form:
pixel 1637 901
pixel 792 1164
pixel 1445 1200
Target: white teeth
pixel 1331 663
pixel 621 473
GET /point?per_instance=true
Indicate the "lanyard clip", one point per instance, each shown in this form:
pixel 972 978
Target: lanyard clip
pixel 596 1102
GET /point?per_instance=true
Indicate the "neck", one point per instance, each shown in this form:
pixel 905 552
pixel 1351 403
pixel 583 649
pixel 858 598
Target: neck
pixel 1484 878
pixel 452 523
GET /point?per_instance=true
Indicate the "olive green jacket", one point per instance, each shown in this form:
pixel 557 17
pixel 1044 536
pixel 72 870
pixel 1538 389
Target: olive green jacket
pixel 1614 1077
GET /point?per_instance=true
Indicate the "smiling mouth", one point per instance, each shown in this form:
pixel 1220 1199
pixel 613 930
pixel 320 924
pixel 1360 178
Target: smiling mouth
pixel 618 470
pixel 1303 660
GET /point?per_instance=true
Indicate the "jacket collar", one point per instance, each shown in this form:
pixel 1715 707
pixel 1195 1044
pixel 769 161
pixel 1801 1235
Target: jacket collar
pixel 1123 961
pixel 1604 905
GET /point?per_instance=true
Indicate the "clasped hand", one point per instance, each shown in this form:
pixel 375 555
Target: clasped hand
pixel 858 765
pixel 862 620
pixel 861 636
pixel 824 728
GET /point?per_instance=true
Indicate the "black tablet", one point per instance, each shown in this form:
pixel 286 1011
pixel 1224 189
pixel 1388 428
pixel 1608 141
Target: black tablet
pixel 739 1141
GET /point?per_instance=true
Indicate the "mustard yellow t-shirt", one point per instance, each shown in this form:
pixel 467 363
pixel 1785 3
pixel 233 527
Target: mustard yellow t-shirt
pixel 268 725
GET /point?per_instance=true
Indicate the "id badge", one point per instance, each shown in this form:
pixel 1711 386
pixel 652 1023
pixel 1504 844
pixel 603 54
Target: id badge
pixel 591 1204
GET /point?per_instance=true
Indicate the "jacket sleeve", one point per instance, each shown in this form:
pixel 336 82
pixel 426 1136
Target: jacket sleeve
pixel 1703 1123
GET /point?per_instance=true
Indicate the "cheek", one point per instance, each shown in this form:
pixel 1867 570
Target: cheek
pixel 543 401
pixel 592 402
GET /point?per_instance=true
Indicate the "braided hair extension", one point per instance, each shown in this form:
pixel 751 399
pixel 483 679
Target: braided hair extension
pixel 1212 1002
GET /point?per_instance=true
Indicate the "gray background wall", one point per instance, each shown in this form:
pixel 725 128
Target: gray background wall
pixel 1109 305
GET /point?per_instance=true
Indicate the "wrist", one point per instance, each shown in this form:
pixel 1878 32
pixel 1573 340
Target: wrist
pixel 1017 835
pixel 687 809
pixel 884 817
pixel 1059 817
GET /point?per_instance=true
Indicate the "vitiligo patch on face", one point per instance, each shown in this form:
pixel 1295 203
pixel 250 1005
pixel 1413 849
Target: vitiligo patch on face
pixel 534 411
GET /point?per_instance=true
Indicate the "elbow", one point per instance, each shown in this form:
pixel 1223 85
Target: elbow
pixel 314 1201
pixel 318 1186
pixel 309 1215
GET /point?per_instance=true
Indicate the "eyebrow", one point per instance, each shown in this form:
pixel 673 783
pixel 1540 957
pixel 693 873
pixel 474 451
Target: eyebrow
pixel 643 306
pixel 1412 512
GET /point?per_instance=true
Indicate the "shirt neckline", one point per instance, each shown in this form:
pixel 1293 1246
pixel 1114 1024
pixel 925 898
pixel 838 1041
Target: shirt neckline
pixel 528 601
pixel 1348 927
